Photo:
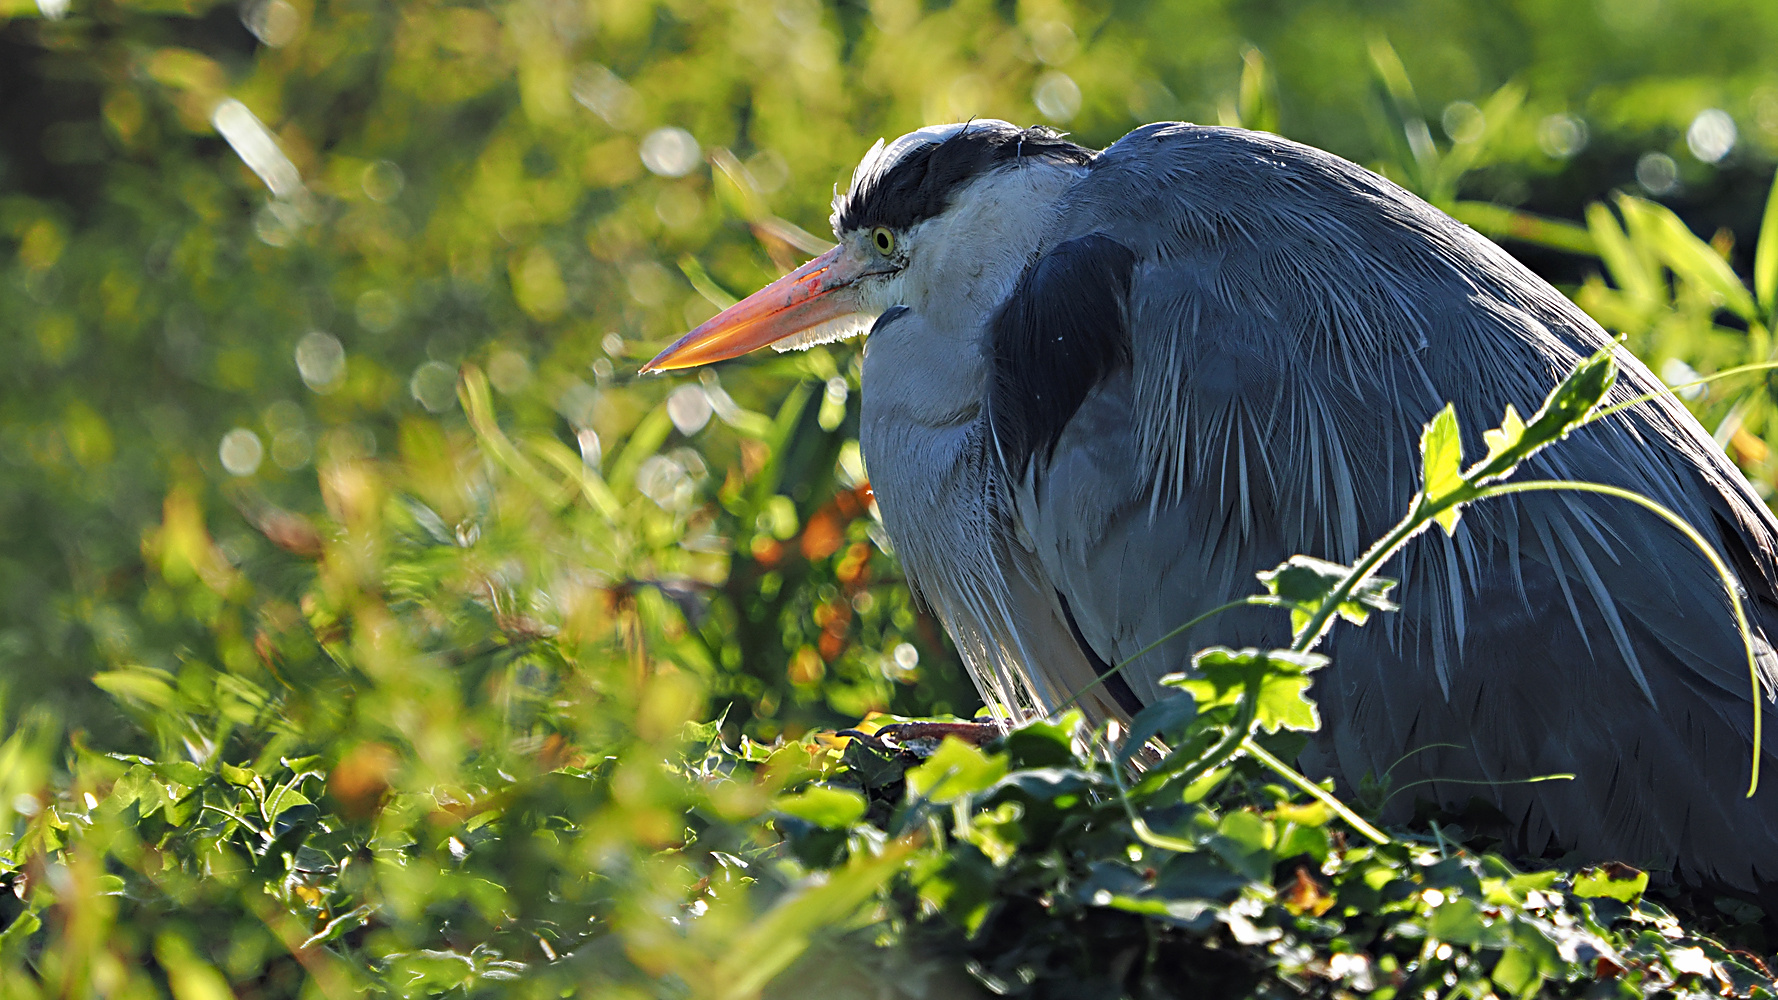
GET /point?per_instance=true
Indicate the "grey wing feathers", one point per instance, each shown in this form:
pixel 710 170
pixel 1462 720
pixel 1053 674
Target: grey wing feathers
pixel 1293 321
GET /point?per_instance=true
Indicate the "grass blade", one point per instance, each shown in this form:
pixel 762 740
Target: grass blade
pixel 1765 257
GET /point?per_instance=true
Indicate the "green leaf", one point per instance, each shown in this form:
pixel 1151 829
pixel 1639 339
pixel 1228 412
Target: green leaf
pixel 190 977
pixel 832 808
pixel 1517 972
pixel 700 735
pixel 780 936
pixel 1279 676
pixel 1168 715
pixel 136 684
pixel 1691 258
pixel 1460 921
pixel 282 798
pixel 1205 784
pixel 1505 437
pixel 1501 223
pixel 1611 881
pixel 1043 743
pixel 1634 274
pixel 1188 913
pixel 956 769
pixel 1258 101
pixel 1765 258
pixel 868 767
pixel 181 772
pixel 19 931
pixel 1305 582
pixel 1244 841
pixel 1441 454
pixel 1448 518
pixel 300 764
pixel 1568 405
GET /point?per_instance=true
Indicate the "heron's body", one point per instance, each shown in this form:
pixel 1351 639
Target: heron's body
pixel 1104 390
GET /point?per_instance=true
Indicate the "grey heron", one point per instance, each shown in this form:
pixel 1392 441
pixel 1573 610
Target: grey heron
pixel 1103 389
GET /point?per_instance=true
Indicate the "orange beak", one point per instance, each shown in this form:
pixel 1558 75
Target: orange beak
pixel 815 293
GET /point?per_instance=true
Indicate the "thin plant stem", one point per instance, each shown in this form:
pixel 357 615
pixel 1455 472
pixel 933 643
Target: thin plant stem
pixel 1563 776
pixel 1691 534
pixel 1420 749
pixel 1418 518
pixel 1140 826
pixel 1256 600
pixel 1615 408
pixel 1210 759
pixel 1320 794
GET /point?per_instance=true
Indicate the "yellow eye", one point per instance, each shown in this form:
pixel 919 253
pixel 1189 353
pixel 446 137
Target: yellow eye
pixel 883 240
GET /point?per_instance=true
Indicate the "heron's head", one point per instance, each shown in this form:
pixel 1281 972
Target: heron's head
pixel 928 213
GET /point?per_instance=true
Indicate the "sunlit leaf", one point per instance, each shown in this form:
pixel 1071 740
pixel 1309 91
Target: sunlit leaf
pixel 1305 582
pixel 1507 436
pixel 1279 677
pixel 1611 881
pixel 955 769
pixel 1691 257
pixel 1765 258
pixel 834 808
pixel 1628 268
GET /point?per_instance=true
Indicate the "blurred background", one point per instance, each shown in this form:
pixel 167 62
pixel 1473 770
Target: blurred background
pixel 243 244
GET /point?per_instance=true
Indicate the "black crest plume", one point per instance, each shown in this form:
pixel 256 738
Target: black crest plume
pixel 920 184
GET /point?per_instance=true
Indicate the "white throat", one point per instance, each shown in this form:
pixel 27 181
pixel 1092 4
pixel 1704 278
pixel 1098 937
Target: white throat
pixel 962 265
pixel 924 434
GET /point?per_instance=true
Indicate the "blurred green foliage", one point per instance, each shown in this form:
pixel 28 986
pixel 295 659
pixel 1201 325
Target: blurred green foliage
pixel 551 190
pixel 366 624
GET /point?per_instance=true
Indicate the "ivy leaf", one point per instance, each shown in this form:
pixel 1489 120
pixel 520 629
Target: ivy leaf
pixel 956 769
pixel 1280 676
pixel 1305 582
pixel 830 808
pixel 1517 972
pixel 1043 743
pixel 240 776
pixel 1441 453
pixel 704 735
pixel 1460 921
pixel 1168 715
pixel 182 772
pixel 1611 881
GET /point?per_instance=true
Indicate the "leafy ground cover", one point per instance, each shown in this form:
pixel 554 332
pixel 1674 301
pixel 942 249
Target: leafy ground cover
pixel 412 787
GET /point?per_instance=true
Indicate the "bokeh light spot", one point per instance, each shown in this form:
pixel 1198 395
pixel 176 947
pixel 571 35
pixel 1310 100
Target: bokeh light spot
pixel 383 181
pixel 241 452
pixel 1561 135
pixel 509 372
pixel 321 361
pixel 1712 135
pixel 434 386
pixel 1053 42
pixel 689 409
pixel 1057 96
pixel 377 311
pixel 670 151
pixel 1463 122
pixel 275 23
pixel 1657 173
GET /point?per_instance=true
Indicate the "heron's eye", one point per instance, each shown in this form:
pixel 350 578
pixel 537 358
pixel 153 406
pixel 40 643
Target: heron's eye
pixel 883 239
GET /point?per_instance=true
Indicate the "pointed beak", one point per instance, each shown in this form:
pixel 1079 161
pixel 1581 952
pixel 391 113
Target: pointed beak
pixel 819 291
